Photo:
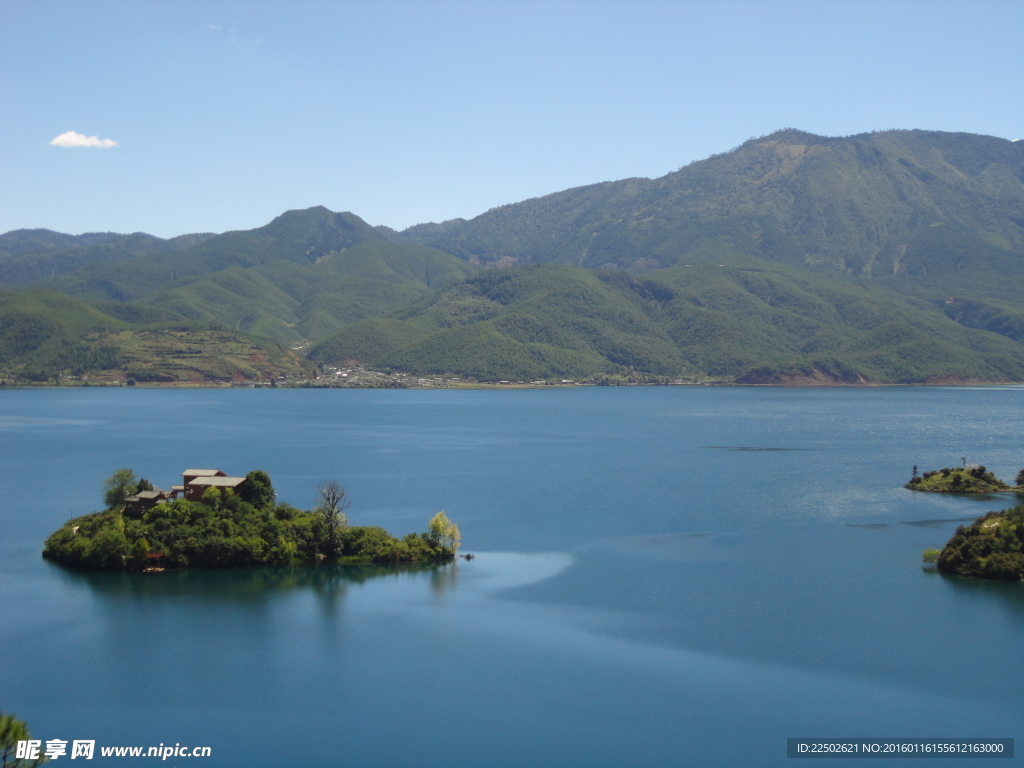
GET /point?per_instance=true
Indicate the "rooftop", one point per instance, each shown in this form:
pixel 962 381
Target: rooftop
pixel 219 482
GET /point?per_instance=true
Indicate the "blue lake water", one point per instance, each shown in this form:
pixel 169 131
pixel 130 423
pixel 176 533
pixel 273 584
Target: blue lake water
pixel 648 590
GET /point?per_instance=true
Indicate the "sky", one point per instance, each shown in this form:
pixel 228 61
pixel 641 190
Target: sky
pixel 176 117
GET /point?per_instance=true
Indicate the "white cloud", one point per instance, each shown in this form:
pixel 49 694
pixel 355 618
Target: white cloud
pixel 216 27
pixel 72 139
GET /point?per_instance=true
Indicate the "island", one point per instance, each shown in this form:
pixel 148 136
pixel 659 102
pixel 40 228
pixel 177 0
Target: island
pixel 213 520
pixel 970 478
pixel 992 547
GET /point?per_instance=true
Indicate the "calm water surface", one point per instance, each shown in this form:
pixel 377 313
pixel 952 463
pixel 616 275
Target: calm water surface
pixel 664 577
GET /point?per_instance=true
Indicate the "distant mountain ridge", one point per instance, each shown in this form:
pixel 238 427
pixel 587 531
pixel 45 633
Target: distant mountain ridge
pixel 27 255
pixel 302 276
pixel 298 236
pixel 895 256
pixel 866 205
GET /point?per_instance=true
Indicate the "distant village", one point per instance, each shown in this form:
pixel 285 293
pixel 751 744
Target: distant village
pixel 358 377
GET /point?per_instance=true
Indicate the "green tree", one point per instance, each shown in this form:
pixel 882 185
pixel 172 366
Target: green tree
pixel 118 487
pixel 443 532
pixel 12 731
pixel 1020 478
pixel 212 497
pixel 139 550
pixel 109 550
pixel 257 489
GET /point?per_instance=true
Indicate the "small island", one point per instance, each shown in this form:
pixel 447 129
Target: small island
pixel 213 520
pixel 992 547
pixel 970 478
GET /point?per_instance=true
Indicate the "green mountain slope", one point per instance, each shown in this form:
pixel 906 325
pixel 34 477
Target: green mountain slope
pixel 749 320
pixel 42 332
pixel 299 236
pixel 303 276
pixel 888 203
pixel 288 301
pixel 934 216
pixel 48 336
pixel 27 255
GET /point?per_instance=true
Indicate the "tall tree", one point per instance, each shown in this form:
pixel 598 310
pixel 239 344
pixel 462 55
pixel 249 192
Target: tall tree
pixel 331 506
pixel 257 489
pixel 118 487
pixel 443 532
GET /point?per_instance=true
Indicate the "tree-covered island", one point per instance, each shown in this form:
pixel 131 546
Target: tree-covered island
pixel 216 521
pixel 992 547
pixel 970 478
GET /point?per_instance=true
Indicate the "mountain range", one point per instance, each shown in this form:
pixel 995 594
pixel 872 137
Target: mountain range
pixel 895 256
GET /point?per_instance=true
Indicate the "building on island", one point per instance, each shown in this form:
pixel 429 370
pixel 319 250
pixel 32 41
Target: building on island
pixel 143 500
pixel 193 486
pixel 196 481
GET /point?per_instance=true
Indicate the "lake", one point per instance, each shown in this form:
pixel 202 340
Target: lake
pixel 664 576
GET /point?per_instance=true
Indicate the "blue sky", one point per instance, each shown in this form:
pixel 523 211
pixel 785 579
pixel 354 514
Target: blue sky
pixel 226 114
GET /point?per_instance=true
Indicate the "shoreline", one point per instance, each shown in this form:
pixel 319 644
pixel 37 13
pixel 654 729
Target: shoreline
pixel 329 384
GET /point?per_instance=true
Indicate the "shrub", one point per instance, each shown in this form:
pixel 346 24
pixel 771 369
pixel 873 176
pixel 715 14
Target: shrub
pixel 1004 566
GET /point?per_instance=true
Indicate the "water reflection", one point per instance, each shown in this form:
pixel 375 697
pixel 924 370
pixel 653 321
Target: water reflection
pixel 251 585
pixel 444 578
pixel 971 594
pixel 938 522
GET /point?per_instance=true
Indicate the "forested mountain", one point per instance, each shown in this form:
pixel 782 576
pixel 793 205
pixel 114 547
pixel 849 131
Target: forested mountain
pixel 292 302
pixel 878 204
pixel 27 255
pixel 47 336
pixel 306 238
pixel 895 256
pixel 748 319
pixel 301 277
